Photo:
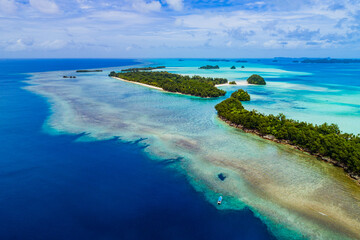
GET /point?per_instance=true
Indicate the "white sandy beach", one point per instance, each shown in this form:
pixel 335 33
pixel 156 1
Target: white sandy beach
pixel 142 84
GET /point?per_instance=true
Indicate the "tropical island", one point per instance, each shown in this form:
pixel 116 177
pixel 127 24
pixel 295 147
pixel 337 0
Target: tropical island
pixel 233 67
pixel 325 141
pixel 256 79
pixel 330 60
pixel 89 70
pixel 209 67
pixel 218 60
pixel 241 95
pixel 232 83
pixel 194 86
pixel 142 69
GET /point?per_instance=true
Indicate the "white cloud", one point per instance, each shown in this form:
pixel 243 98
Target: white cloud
pixel 45 6
pixel 122 25
pixel 84 4
pixel 143 6
pixel 7 6
pixel 175 4
pixel 53 45
pixel 19 44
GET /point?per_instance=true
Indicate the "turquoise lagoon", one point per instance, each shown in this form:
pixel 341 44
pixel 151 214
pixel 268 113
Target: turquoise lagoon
pixel 294 194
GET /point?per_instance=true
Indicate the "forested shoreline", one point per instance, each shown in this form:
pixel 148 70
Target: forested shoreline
pixel 194 86
pixel 325 141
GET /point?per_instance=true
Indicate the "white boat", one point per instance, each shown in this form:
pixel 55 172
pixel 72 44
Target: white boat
pixel 219 200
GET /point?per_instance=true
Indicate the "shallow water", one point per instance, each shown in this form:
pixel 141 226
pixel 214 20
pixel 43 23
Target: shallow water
pixel 296 195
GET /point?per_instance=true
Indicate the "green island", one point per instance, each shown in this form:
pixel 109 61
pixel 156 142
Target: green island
pixel 210 67
pixel 142 69
pixel 241 95
pixel 89 71
pixel 233 67
pixel 325 141
pixel 256 79
pixel 194 86
pixel 232 83
pixel 330 60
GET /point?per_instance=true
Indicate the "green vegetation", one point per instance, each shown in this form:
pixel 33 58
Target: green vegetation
pixel 141 69
pixel 209 67
pixel 195 86
pixel 322 140
pixel 241 95
pixel 256 79
pixel 233 83
pixel 89 70
pixel 233 67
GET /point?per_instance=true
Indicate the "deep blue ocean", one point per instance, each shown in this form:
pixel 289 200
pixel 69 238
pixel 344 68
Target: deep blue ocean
pixel 53 187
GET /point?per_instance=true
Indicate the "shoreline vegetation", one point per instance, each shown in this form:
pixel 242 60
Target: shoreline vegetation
pixel 210 67
pixel 84 71
pixel 241 95
pixel 142 69
pixel 176 83
pixel 325 141
pixel 256 80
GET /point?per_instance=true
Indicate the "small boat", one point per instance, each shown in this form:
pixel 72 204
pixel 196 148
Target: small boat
pixel 219 200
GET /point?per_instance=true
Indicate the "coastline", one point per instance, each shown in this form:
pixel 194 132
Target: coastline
pixel 289 144
pixel 157 88
pixel 143 84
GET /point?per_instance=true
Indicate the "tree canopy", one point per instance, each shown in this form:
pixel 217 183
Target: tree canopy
pixel 241 95
pixel 209 67
pixel 195 85
pixel 256 79
pixel 325 139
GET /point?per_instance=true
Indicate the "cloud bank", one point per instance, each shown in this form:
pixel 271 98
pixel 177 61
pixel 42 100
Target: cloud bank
pixel 179 28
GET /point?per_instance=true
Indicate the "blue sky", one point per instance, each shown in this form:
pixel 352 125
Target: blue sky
pixel 179 28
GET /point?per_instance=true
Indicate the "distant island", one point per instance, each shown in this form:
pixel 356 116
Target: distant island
pixel 209 67
pixel 69 76
pixel 330 60
pixel 233 67
pixel 241 95
pixel 256 79
pixel 242 67
pixel 239 61
pixel 89 71
pixel 142 69
pixel 232 83
pixel 194 86
pixel 324 141
pixel 218 60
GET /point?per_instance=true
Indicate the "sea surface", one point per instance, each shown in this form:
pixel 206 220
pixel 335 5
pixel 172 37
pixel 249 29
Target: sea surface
pixel 57 187
pixel 94 157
